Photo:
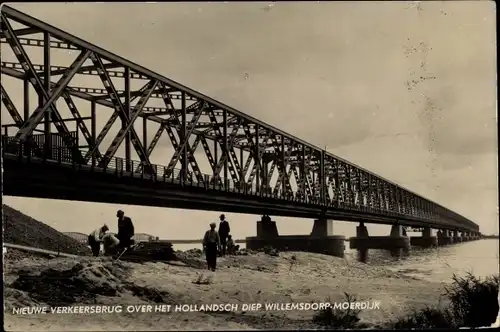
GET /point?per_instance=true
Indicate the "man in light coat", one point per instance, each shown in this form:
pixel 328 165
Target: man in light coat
pixel 95 239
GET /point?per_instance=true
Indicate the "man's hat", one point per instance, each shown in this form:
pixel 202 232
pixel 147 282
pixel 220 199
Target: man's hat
pixel 212 224
pixel 222 216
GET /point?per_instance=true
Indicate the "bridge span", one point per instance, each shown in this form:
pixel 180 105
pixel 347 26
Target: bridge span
pixel 252 167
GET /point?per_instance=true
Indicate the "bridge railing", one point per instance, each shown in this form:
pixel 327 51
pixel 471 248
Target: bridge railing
pixel 132 168
pixel 122 167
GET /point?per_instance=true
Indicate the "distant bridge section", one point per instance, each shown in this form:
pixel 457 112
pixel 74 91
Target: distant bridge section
pixel 53 149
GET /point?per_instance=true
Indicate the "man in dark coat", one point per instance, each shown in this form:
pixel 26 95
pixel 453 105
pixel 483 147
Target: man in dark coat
pixel 125 230
pixel 224 231
pixel 211 242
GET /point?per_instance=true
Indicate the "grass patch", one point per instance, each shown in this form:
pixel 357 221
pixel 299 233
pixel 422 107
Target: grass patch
pixel 201 279
pixel 473 302
pixel 338 319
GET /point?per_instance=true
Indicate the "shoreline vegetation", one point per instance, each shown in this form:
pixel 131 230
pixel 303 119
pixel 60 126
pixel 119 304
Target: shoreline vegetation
pixel 471 302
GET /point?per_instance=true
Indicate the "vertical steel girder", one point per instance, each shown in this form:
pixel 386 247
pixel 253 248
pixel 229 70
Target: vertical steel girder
pixel 128 137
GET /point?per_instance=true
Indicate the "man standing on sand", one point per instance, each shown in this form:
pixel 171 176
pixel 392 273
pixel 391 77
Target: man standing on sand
pixel 224 231
pixel 95 238
pixel 211 242
pixel 125 230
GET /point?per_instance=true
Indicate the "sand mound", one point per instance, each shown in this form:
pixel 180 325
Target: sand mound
pixel 85 282
pixel 23 230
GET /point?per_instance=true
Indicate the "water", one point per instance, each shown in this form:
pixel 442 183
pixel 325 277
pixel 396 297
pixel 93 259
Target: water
pixel 481 258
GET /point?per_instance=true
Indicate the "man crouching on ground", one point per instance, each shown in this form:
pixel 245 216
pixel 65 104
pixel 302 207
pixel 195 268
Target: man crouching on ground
pixel 95 238
pixel 211 244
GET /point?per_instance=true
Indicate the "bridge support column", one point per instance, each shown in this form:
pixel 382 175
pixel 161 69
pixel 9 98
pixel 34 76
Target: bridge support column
pixel 267 229
pixel 465 237
pixel 322 227
pixel 397 242
pixel 321 240
pixel 456 237
pixel 444 238
pixel 426 240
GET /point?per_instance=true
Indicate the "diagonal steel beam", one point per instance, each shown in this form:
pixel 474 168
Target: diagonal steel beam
pixel 189 130
pixel 49 100
pixel 190 155
pixel 79 121
pixel 230 146
pixel 11 108
pixel 63 82
pixel 120 136
pixel 226 154
pixel 208 153
pixel 253 147
pixel 178 125
pixel 108 124
pixel 282 163
pixel 108 84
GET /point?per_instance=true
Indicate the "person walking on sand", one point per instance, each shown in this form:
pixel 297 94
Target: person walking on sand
pixel 211 242
pixel 125 230
pixel 224 231
pixel 95 239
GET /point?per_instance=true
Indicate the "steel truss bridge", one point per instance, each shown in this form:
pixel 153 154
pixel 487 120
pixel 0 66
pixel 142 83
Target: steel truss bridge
pixel 253 167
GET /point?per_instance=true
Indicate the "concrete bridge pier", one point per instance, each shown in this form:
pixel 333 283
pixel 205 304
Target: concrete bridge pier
pixel 397 242
pixel 321 240
pixel 427 240
pixel 456 237
pixel 444 238
pixel 465 237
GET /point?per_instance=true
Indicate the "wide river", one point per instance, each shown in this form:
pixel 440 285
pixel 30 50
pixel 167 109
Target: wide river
pixel 481 258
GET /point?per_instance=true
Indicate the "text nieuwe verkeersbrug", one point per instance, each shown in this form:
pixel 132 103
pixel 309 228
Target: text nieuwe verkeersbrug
pixel 224 307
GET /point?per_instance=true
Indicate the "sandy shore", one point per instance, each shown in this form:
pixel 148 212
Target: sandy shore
pixel 259 278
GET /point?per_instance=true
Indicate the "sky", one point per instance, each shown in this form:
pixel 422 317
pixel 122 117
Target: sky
pixel 406 90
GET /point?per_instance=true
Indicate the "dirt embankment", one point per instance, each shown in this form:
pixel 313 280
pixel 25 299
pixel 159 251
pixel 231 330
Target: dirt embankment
pixel 23 230
pixel 253 278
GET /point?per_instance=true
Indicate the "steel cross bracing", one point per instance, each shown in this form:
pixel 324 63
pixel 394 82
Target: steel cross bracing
pixel 239 150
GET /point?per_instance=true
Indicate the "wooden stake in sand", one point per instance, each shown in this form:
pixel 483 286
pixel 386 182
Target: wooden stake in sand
pixel 120 255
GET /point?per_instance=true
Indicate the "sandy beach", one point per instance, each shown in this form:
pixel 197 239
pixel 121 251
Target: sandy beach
pixel 255 278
